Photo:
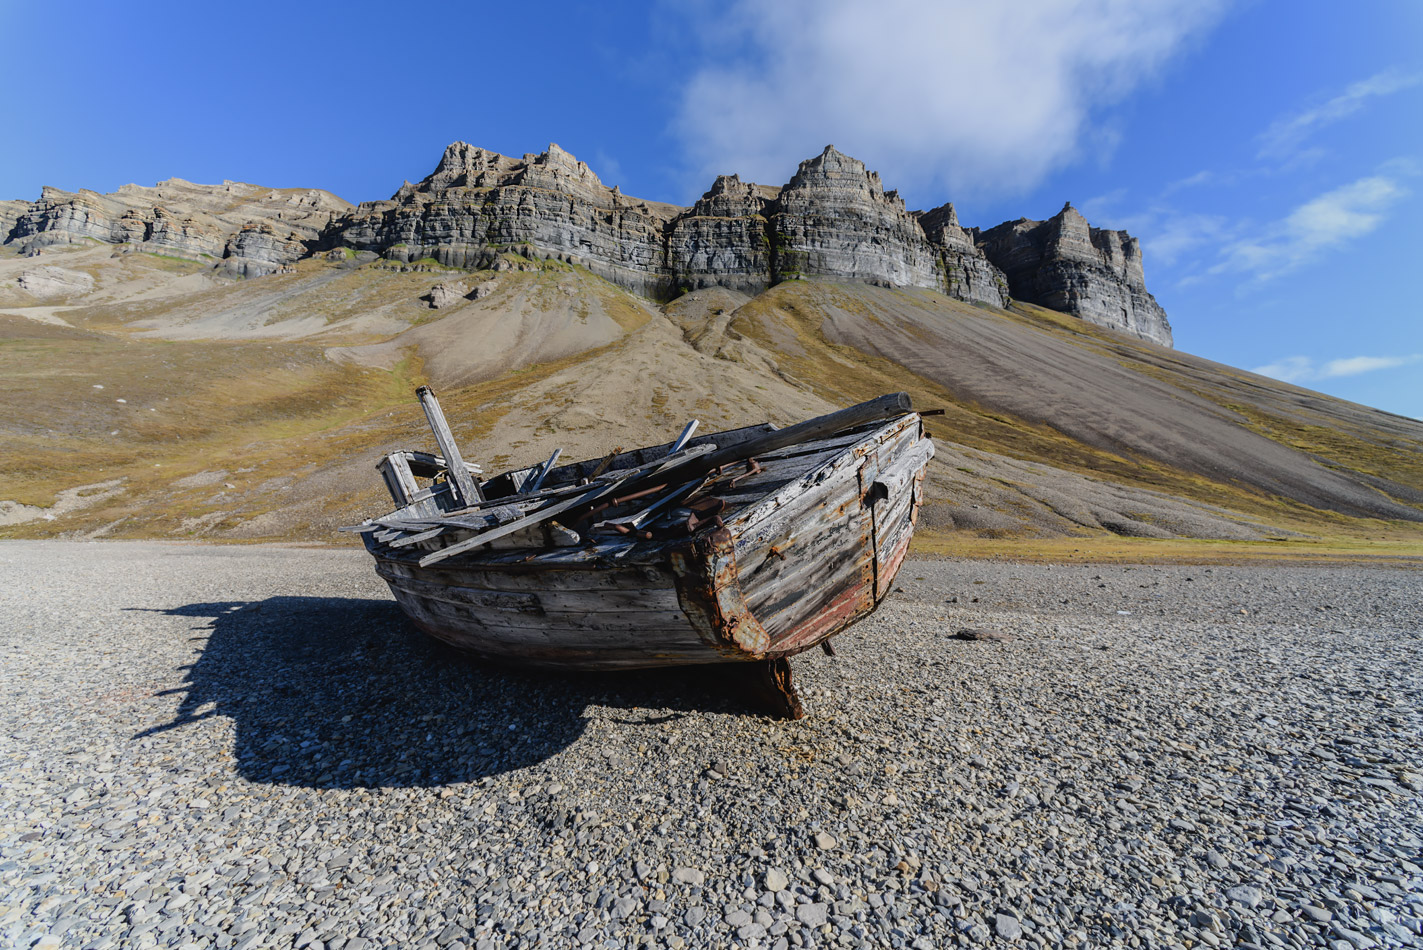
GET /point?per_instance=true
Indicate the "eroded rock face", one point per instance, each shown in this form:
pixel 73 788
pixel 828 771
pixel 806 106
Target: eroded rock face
pixel 1065 264
pixel 44 282
pixel 250 230
pixel 10 212
pixel 445 294
pixel 477 203
pixel 724 240
pixel 968 275
pixel 832 221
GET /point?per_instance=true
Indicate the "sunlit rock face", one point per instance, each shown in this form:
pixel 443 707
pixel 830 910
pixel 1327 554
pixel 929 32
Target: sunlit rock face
pixel 1065 264
pixel 244 229
pixel 832 221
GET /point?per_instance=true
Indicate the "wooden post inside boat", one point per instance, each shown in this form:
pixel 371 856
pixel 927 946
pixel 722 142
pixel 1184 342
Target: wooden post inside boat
pixel 464 484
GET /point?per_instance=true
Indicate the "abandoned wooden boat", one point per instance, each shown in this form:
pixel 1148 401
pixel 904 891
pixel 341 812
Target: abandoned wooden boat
pixel 746 546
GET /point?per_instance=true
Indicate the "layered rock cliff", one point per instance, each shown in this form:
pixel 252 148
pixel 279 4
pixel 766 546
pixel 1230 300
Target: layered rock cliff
pixel 10 212
pixel 478 202
pixel 833 220
pixel 1065 264
pixel 250 230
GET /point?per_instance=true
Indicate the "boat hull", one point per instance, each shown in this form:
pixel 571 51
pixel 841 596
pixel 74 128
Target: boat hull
pixel 778 578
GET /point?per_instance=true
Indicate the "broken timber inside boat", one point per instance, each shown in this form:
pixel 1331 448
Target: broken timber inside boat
pixel 746 546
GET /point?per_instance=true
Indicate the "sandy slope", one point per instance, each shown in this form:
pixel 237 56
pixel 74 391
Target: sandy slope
pixel 292 386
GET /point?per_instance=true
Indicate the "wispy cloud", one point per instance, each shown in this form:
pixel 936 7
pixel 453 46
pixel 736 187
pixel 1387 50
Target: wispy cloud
pixel 1203 177
pixel 901 84
pixel 1355 365
pixel 1286 135
pixel 1324 223
pixel 1298 369
pixel 1167 234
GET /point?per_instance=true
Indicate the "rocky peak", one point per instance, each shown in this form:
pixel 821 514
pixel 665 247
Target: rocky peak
pixel 10 212
pixel 833 220
pixel 182 219
pixel 729 196
pixel 941 226
pixel 833 171
pixel 464 166
pixel 1068 265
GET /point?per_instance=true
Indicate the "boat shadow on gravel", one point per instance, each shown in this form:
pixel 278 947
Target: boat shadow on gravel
pixel 329 692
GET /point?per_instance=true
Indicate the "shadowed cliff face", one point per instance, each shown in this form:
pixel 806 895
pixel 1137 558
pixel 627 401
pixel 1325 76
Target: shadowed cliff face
pixel 832 221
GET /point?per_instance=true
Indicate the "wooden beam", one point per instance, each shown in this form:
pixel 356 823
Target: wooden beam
pixel 682 439
pixel 399 480
pixel 466 488
pixel 543 473
pixel 543 514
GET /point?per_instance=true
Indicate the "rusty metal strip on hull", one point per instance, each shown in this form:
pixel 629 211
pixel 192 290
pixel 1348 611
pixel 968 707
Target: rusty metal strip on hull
pixel 709 590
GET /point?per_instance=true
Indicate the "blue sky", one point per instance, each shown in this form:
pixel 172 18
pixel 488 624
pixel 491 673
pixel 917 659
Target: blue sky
pixel 1269 154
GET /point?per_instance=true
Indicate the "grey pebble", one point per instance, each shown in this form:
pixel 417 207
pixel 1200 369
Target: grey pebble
pixel 243 747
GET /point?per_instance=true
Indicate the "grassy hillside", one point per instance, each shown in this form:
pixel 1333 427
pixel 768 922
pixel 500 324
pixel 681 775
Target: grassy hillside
pixel 188 407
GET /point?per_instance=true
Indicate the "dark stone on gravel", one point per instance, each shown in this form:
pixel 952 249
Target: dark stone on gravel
pixel 982 634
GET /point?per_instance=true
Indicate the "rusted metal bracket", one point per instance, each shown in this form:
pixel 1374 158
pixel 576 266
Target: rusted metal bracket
pixel 709 591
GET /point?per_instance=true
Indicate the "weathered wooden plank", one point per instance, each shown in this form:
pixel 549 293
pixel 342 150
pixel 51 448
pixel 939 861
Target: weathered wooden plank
pixel 573 626
pixel 777 515
pixel 669 498
pixel 827 446
pixel 891 525
pixel 613 656
pixel 542 474
pixel 541 601
pixel 832 608
pixel 773 474
pixel 486 629
pixel 543 514
pixel 399 479
pixel 804 533
pixel 809 561
pixel 681 440
pixel 632 578
pixel 874 410
pixel 466 488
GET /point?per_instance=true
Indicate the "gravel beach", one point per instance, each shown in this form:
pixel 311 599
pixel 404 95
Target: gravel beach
pixel 246 747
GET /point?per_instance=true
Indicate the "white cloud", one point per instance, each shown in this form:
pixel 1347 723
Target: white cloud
pixel 1204 177
pixel 1296 369
pixel 1355 365
pixel 1332 219
pixel 1291 369
pixel 976 96
pixel 1174 236
pixel 1285 136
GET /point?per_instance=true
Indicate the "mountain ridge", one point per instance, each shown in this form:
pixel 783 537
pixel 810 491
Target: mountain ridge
pixel 148 390
pixel 832 221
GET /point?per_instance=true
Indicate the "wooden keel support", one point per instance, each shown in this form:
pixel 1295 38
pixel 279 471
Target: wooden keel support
pixel 770 682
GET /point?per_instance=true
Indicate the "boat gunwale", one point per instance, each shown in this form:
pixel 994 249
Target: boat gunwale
pixel 618 552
